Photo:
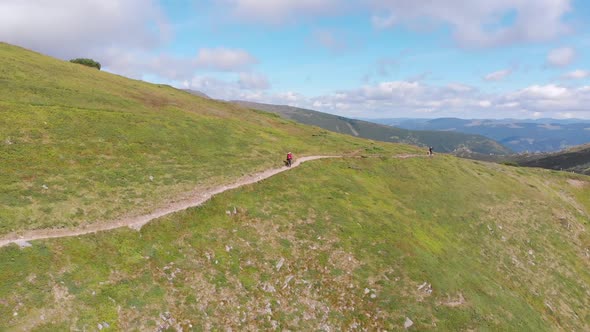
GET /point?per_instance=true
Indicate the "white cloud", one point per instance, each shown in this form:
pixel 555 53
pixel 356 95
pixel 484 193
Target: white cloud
pixel 549 91
pixel 457 87
pixel 71 28
pixel 577 74
pixel 224 59
pixel 566 115
pixel 247 86
pixel 384 22
pixel 485 103
pixel 498 75
pixel 401 99
pixel 561 57
pixel 479 23
pixel 253 81
pixel 177 68
pixel 280 11
pixel 409 99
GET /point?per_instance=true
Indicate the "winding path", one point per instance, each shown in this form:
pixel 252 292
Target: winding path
pixel 195 199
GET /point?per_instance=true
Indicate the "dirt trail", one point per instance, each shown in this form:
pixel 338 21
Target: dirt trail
pixel 194 199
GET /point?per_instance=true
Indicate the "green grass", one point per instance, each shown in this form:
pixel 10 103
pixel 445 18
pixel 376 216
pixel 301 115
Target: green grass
pixel 339 227
pixel 78 145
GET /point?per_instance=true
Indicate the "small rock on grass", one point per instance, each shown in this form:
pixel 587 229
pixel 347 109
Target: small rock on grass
pixel 23 244
pixel 408 323
pixel 280 264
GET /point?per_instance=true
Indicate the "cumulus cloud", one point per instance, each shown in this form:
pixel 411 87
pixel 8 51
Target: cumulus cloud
pixel 497 75
pixel 409 99
pixel 561 57
pixel 281 11
pixel 414 99
pixel 224 59
pixel 173 67
pixel 576 74
pixel 247 86
pixel 552 100
pixel 480 23
pixel 253 81
pixel 537 92
pixel 71 28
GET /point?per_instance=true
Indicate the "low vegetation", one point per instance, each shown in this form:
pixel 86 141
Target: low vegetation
pixel 87 62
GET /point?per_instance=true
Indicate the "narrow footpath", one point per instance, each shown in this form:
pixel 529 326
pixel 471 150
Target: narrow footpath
pixel 195 199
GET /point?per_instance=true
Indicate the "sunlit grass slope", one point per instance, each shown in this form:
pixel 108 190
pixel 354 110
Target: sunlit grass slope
pixel 339 244
pixel 78 145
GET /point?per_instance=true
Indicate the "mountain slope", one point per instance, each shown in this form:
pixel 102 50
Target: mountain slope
pixel 78 145
pixel 575 159
pixel 441 141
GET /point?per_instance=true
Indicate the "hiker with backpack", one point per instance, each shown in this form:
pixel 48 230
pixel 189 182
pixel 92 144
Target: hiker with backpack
pixel 289 159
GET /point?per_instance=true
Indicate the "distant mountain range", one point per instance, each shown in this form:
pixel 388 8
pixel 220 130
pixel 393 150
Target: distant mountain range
pixel 542 135
pixel 441 141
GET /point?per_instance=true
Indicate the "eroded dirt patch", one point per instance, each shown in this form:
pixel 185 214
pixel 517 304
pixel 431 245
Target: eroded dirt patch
pixel 577 183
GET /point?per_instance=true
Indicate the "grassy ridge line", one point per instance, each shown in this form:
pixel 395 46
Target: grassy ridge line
pixel 79 145
pixel 196 198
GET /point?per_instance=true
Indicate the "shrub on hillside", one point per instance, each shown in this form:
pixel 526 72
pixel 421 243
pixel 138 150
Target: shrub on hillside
pixel 510 163
pixel 87 62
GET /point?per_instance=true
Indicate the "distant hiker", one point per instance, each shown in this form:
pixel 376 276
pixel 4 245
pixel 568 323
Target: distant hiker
pixel 289 159
pixel 430 151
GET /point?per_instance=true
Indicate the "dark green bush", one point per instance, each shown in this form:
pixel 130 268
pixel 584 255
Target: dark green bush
pixel 510 163
pixel 87 62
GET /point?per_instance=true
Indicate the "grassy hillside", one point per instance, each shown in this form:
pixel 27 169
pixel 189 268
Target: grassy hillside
pixel 78 145
pixel 355 243
pixel 441 141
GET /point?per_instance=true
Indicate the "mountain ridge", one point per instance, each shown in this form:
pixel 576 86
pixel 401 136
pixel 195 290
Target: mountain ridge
pixel 441 141
pixel 542 135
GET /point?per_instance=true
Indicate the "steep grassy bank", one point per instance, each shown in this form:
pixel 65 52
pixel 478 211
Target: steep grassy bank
pixel 78 145
pixel 354 243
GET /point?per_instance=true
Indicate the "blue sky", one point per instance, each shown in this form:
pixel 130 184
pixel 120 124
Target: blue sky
pixel 358 58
